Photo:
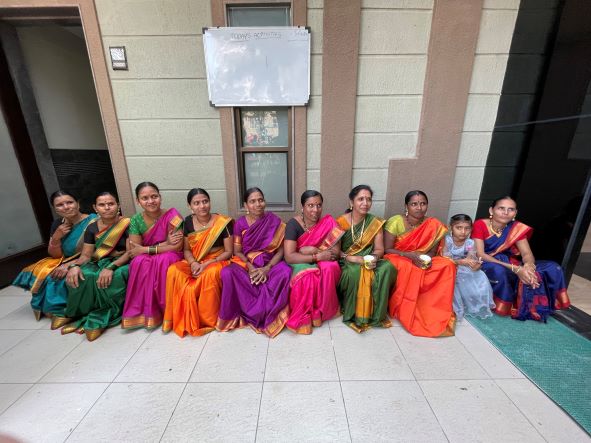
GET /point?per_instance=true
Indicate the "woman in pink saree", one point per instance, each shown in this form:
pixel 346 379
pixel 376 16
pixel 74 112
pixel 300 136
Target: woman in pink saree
pixel 312 248
pixel 156 242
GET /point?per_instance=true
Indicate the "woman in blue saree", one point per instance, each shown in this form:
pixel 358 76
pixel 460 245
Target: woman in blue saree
pixel 523 287
pixel 45 278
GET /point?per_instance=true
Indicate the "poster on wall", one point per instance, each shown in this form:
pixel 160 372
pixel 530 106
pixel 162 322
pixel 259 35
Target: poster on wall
pixel 267 66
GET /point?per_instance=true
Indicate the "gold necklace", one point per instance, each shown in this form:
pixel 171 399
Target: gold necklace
pixel 410 225
pixel 356 240
pixel 206 223
pixel 305 225
pixel 497 232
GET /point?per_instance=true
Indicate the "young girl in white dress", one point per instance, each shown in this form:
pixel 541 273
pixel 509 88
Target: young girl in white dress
pixel 472 292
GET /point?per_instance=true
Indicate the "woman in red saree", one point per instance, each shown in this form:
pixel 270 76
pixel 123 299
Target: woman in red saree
pixel 423 295
pixel 312 248
pixel 156 241
pixel 193 285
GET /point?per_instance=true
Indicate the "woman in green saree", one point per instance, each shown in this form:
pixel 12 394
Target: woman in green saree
pixel 98 278
pixel 366 280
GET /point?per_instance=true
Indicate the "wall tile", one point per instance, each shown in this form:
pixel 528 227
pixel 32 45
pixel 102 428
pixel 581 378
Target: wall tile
pixel 391 75
pixel 388 114
pixel 374 150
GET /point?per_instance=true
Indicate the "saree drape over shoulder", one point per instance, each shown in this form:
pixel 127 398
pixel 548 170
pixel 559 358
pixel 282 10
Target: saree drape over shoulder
pixel 264 307
pixel 49 294
pixel 422 298
pixel 510 295
pixel 145 298
pixel 313 298
pixel 192 303
pixel 94 308
pixel 364 293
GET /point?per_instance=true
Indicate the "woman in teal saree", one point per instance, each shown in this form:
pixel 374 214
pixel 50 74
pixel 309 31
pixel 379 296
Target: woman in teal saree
pixel 45 278
pixel 97 280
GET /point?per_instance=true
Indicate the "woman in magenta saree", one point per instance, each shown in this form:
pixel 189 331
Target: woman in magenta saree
pixel 255 286
pixel 523 287
pixel 156 243
pixel 312 246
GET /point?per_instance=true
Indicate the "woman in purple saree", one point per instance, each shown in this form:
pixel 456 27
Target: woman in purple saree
pixel 156 243
pixel 255 286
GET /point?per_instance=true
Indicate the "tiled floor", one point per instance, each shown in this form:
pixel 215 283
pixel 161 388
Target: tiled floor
pixel 333 385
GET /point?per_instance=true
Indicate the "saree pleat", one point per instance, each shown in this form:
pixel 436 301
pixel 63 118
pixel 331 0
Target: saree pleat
pixel 264 307
pixel 192 303
pixel 145 298
pixel 422 298
pixel 48 294
pixel 95 308
pixel 511 296
pixel 364 293
pixel 313 296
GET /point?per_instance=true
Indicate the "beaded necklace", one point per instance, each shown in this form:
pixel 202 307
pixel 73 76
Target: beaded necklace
pixel 358 239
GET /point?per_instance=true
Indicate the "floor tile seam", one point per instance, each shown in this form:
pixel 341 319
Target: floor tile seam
pixel 336 362
pixel 131 357
pixel 61 360
pixel 184 389
pixel 256 431
pixel 87 412
pixel 506 394
pixel 109 384
pixel 14 310
pixel 207 336
pixel 421 388
pixel 23 338
pixel 19 397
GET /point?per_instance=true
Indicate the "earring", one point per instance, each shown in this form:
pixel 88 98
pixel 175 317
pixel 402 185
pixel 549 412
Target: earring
pixel 350 207
pixel 406 213
pixel 513 218
pixel 247 212
pixel 490 216
pixel 119 211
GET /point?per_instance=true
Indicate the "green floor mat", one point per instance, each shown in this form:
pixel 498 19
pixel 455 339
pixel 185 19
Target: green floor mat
pixel 551 355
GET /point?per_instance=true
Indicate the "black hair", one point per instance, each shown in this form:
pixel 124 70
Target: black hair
pixel 104 193
pixel 196 191
pixel 250 191
pixel 496 200
pixel 459 218
pixel 309 194
pixel 61 193
pixel 411 194
pixel 143 185
pixel 356 190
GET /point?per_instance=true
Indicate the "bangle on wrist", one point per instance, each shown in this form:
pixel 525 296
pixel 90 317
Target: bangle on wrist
pixel 73 265
pixel 112 267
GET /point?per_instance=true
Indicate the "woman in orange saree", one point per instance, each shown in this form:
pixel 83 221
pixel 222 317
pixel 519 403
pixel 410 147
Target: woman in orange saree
pixel 193 285
pixel 423 295
pixel 312 246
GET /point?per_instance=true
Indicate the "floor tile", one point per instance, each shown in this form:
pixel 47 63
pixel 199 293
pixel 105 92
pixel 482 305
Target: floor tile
pixel 302 411
pixel 23 318
pixel 294 357
pixel 9 393
pixel 551 421
pixel 10 338
pixel 33 356
pixel 130 412
pixel 372 355
pixel 225 411
pixel 390 411
pixel 50 412
pixel 437 358
pixel 15 290
pixel 235 356
pixel 477 410
pixel 489 357
pixel 163 358
pixel 100 360
pixel 10 303
pixel 336 322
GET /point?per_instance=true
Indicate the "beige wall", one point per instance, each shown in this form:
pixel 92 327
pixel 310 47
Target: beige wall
pixel 490 63
pixel 315 14
pixel 58 66
pixel 392 60
pixel 171 135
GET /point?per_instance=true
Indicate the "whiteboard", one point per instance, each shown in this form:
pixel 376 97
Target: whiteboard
pixel 257 66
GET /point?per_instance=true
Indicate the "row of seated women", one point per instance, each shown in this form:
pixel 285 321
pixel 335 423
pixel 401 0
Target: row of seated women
pixel 206 272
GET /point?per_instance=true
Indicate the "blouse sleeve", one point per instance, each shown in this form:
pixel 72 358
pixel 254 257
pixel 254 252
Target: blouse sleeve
pixel 90 233
pixel 134 225
pixel 54 225
pixel 479 230
pixel 291 230
pixel 188 225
